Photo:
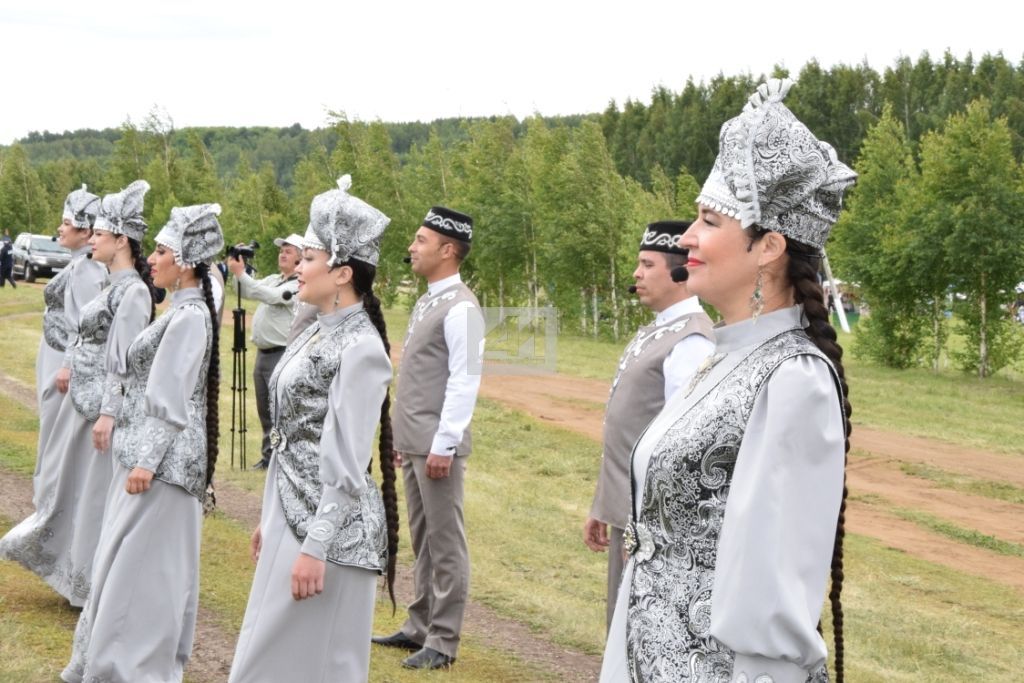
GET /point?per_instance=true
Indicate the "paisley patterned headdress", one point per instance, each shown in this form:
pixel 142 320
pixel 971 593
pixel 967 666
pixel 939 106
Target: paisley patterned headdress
pixel 345 226
pixel 121 212
pixel 81 207
pixel 664 236
pixel 193 233
pixel 772 172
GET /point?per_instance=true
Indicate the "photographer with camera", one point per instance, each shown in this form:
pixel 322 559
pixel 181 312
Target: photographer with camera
pixel 272 320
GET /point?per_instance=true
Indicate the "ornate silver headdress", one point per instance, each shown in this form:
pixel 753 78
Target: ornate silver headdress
pixel 345 226
pixel 81 207
pixel 193 233
pixel 771 171
pixel 121 212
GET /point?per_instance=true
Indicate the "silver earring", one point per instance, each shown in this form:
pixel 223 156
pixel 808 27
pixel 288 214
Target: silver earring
pixel 757 298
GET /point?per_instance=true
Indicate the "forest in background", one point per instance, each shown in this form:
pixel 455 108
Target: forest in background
pixel 933 226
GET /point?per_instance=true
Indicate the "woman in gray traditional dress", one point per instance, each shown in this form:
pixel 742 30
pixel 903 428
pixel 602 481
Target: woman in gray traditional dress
pixel 738 484
pixel 326 530
pixel 58 540
pixel 138 623
pixel 65 295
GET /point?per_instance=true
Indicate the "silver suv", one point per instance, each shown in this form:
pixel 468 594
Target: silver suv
pixel 38 255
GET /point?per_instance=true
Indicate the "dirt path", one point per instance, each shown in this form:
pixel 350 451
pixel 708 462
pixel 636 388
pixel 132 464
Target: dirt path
pixel 577 404
pixel 214 648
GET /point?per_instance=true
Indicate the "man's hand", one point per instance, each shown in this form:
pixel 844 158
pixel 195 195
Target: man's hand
pixel 396 459
pixel 438 466
pixel 63 380
pixel 236 266
pixel 139 480
pixel 595 534
pixel 307 577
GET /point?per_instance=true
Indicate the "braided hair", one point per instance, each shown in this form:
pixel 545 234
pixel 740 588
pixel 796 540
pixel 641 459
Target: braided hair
pixel 202 271
pixel 142 268
pixel 362 281
pixel 802 271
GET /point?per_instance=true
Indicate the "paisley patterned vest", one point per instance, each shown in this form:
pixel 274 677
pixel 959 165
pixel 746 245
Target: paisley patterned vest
pixel 184 463
pixel 359 537
pixel 55 326
pixel 88 364
pixel 677 530
pixel 637 396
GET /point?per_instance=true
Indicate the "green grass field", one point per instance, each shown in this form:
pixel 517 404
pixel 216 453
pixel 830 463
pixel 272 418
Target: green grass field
pixel 528 491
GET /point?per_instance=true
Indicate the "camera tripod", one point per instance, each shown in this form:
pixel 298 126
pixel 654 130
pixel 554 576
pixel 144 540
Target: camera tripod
pixel 238 382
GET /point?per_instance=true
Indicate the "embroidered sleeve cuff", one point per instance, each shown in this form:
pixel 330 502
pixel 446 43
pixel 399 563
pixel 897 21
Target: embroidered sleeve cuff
pixel 156 439
pixel 113 396
pixel 755 669
pixel 336 509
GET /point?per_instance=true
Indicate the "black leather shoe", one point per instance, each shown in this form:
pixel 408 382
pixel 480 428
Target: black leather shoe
pixel 399 640
pixel 261 465
pixel 428 658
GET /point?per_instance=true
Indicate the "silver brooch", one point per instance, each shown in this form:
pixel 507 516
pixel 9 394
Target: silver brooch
pixel 638 541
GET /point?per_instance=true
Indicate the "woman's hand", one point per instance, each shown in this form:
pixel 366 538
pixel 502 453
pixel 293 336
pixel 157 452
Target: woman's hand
pixel 63 379
pixel 307 577
pixel 139 480
pixel 101 432
pixel 256 544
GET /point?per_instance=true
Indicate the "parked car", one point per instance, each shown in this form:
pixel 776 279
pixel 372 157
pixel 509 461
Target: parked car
pixel 38 255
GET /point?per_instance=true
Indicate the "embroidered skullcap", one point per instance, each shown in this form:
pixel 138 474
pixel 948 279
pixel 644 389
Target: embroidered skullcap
pixel 664 236
pixel 344 226
pixel 193 233
pixel 121 212
pixel 772 172
pixel 450 223
pixel 80 207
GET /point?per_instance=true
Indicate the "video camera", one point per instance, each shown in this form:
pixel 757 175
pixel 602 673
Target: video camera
pixel 244 251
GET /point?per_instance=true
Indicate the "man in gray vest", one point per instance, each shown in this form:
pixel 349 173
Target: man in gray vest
pixel 433 407
pixel 658 361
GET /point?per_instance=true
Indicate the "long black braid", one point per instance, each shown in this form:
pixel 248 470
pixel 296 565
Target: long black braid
pixel 212 386
pixel 142 268
pixel 362 281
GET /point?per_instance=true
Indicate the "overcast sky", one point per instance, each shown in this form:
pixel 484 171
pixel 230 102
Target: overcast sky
pixel 68 65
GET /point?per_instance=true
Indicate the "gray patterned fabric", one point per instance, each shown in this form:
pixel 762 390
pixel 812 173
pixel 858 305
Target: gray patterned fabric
pixel 89 388
pixel 675 538
pixel 772 172
pixel 121 212
pixel 193 233
pixel 345 226
pixel 141 439
pixel 55 324
pixel 81 207
pixel 353 533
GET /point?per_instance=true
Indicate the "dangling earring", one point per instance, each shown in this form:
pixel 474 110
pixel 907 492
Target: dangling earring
pixel 337 295
pixel 757 298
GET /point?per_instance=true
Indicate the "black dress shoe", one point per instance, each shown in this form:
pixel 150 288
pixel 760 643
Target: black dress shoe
pixel 399 640
pixel 428 658
pixel 261 465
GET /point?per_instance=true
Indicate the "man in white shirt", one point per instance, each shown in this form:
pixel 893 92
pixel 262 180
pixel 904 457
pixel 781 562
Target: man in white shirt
pixel 270 323
pixel 430 420
pixel 659 360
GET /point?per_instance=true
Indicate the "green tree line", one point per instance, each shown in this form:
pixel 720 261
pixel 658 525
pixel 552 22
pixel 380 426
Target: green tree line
pixel 560 203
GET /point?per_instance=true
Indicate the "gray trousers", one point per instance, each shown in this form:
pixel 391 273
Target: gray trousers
pixel 441 571
pixel 615 567
pixel 266 361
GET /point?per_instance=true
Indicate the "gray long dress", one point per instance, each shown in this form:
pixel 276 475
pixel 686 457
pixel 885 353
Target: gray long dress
pixel 736 490
pixel 320 501
pixel 65 295
pixel 58 540
pixel 138 623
